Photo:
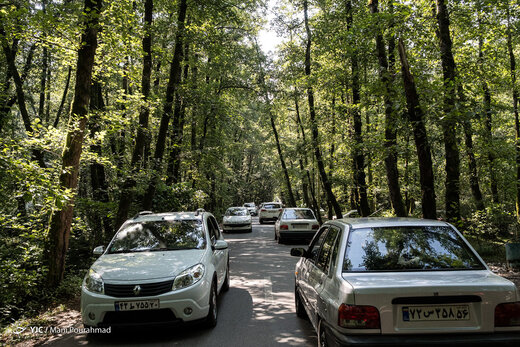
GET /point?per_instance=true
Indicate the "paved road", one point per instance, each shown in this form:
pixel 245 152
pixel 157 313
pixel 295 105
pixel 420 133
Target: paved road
pixel 258 310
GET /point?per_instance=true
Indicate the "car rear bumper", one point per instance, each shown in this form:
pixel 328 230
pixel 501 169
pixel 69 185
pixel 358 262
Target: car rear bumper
pixel 297 235
pixel 336 338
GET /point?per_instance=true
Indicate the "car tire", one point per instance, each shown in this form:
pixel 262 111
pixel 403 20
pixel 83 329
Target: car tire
pixel 300 309
pixel 225 285
pixel 250 230
pixel 261 221
pixel 211 318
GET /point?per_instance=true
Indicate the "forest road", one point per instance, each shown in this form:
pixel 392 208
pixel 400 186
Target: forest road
pixel 258 309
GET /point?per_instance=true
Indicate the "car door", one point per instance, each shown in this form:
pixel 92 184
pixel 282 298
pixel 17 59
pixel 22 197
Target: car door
pixel 219 256
pixel 319 271
pixel 309 281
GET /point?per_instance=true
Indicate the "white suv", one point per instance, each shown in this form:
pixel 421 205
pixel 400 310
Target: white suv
pixel 269 211
pixel 158 268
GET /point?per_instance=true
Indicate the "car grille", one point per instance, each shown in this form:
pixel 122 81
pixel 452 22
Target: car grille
pixel 147 289
pixel 237 225
pixel 138 317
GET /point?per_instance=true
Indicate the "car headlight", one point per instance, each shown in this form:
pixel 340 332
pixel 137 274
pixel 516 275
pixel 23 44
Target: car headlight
pixel 188 277
pixel 93 282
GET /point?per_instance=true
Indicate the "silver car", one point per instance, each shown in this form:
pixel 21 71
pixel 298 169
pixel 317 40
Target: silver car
pixel 295 224
pixel 158 268
pixel 402 281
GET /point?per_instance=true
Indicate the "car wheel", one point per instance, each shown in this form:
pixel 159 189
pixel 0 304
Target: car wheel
pixel 211 319
pixel 300 310
pixel 250 230
pixel 261 221
pixel 225 285
pixel 322 335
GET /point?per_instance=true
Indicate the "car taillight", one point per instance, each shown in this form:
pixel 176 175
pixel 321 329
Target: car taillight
pixel 507 314
pixel 279 210
pixel 358 317
pixel 263 210
pixel 284 227
pixel 315 226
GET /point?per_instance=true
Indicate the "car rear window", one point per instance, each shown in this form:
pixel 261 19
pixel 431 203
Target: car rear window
pixel 298 214
pixel 272 206
pixel 415 248
pixel 164 235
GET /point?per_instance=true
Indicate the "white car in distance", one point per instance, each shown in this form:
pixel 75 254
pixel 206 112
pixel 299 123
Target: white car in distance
pixel 251 207
pixel 158 268
pixel 269 211
pixel 295 224
pixel 237 219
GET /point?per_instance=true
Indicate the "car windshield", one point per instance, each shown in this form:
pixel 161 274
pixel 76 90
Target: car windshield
pixel 164 235
pixel 249 205
pixel 298 214
pixel 236 212
pixel 415 248
pixel 272 206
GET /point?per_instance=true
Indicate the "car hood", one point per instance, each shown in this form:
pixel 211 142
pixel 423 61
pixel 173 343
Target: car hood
pixel 146 265
pixel 237 219
pixel 393 284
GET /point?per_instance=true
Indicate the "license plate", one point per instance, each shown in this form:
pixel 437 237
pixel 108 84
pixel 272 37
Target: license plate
pixel 300 225
pixel 136 305
pixel 435 313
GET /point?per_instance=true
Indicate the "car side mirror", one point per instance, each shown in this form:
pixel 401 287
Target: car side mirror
pixel 99 250
pixel 298 252
pixel 220 245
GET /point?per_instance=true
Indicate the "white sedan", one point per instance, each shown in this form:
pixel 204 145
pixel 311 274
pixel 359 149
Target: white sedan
pixel 158 268
pixel 295 224
pixel 237 219
pixel 398 281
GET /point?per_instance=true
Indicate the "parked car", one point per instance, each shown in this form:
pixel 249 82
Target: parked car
pixel 237 219
pixel 402 281
pixel 158 268
pixel 251 207
pixel 295 224
pixel 269 211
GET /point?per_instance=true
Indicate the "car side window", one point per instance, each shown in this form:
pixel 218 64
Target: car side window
pixel 325 256
pixel 215 227
pixel 314 249
pixel 211 230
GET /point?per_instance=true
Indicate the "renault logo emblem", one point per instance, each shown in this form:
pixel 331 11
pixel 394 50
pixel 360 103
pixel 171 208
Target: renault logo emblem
pixel 137 290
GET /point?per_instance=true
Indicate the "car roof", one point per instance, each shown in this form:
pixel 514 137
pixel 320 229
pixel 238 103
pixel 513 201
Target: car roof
pixel 162 216
pixel 375 222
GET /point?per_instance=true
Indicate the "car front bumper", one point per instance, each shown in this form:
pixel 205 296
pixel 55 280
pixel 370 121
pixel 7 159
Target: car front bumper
pixel 336 338
pixel 236 227
pixel 99 310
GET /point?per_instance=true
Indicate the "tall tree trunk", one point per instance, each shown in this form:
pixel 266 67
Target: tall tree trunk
pixel 7 101
pixel 171 89
pixel 449 123
pixel 306 177
pixel 179 113
pixel 314 125
pixel 359 157
pixel 127 191
pixel 416 117
pixel 20 94
pixel 61 219
pixel 512 66
pixel 63 98
pixel 290 194
pixel 392 173
pixel 102 224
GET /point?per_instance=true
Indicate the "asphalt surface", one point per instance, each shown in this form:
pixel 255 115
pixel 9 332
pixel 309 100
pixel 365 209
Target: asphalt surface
pixel 258 309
